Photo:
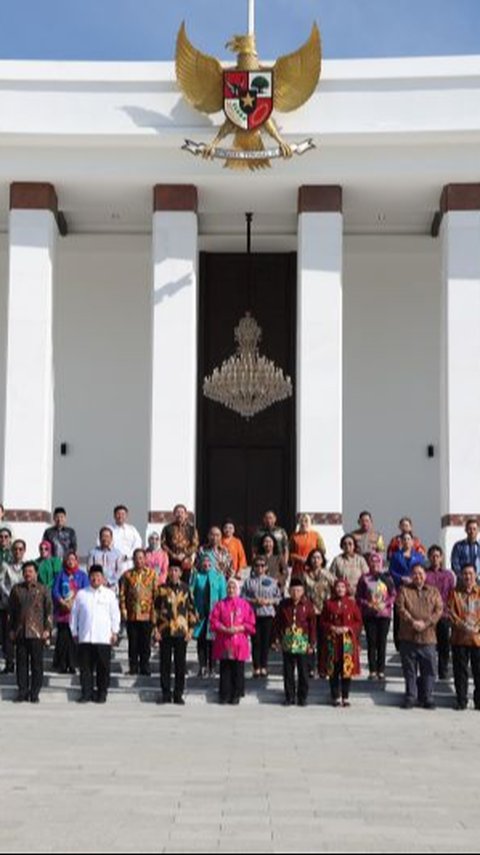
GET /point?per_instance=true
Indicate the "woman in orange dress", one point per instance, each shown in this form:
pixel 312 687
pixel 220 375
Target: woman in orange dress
pixel 302 543
pixel 234 546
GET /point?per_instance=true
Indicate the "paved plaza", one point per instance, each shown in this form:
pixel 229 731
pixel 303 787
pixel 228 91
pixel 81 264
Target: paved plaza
pixel 256 778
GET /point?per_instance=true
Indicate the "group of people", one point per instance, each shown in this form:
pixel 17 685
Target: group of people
pixel 290 599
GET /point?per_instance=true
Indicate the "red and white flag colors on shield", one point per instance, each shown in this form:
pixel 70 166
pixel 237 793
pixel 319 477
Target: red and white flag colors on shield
pixel 248 97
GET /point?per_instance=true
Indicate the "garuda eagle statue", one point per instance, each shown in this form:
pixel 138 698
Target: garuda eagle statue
pixel 248 92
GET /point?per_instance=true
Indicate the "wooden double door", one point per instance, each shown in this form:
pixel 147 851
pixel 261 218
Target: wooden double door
pixel 245 467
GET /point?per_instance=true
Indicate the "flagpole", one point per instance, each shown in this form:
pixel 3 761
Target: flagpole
pixel 251 17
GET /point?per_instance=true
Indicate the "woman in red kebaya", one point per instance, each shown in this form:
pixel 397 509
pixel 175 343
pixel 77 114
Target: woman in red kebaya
pixel 341 624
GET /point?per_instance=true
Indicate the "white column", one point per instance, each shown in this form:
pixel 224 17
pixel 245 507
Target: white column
pixel 460 390
pixel 319 361
pixel 28 453
pixel 174 355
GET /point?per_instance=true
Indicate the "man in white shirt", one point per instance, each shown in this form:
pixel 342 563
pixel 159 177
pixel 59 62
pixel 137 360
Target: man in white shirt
pixel 94 623
pixel 125 536
pixel 108 557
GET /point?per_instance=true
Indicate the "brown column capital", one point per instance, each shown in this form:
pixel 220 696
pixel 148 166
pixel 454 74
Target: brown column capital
pixel 320 199
pixel 27 516
pixel 460 197
pixel 165 517
pixel 31 195
pixel 175 197
pixel 458 520
pixel 323 517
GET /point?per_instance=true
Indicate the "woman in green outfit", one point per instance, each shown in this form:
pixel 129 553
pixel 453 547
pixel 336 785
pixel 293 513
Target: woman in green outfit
pixel 48 567
pixel 208 587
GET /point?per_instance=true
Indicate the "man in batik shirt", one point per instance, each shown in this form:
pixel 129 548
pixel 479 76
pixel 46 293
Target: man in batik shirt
pixel 270 527
pixel 464 611
pixel 30 608
pixel 180 541
pixel 295 632
pixel 137 607
pixel 366 538
pixel 176 617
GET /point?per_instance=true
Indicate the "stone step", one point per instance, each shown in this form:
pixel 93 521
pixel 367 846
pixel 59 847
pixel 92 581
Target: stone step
pixel 124 681
pixel 64 688
pixel 121 677
pixel 131 689
pixel 388 699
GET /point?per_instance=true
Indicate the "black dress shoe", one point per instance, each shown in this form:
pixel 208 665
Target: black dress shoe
pixel 461 706
pixel 235 702
pixel 288 703
pixel 35 700
pixel 179 702
pixel 146 672
pixel 163 699
pixel 302 702
pixel 408 704
pixel 20 699
pixel 83 700
pixel 429 705
pixel 101 699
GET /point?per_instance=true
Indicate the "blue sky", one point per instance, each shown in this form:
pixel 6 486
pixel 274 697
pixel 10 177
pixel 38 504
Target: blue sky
pixel 146 29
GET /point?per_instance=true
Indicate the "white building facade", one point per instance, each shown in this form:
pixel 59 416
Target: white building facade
pixel 99 369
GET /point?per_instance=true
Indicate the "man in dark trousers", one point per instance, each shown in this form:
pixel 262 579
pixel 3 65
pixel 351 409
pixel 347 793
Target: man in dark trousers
pixel 30 609
pixel 94 624
pixel 420 607
pixel 138 588
pixel 295 631
pixel 176 617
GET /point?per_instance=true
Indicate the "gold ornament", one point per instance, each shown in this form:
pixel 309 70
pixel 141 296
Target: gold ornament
pixel 248 92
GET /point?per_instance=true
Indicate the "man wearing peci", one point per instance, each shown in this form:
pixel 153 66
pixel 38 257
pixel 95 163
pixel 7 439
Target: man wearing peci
pixel 95 623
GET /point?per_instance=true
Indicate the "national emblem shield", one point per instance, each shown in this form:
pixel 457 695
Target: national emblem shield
pixel 248 97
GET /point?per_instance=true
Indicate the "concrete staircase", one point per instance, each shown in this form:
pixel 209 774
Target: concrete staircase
pixel 61 688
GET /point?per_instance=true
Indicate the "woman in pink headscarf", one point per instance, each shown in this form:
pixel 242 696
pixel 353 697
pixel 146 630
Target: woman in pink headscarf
pixel 233 622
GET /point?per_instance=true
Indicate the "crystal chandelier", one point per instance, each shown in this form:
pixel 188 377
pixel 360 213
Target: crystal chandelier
pixel 247 383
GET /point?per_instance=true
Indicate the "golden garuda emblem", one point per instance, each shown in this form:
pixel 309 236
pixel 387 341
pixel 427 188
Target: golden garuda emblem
pixel 248 94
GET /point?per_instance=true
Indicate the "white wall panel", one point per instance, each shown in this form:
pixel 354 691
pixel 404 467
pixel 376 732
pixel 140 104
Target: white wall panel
pixel 392 291
pixel 102 396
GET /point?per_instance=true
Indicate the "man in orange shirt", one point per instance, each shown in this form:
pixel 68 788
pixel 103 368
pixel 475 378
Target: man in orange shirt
pixel 234 546
pixel 464 609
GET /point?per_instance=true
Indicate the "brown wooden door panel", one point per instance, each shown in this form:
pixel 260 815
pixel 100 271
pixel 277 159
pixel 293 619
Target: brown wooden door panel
pixel 226 486
pixel 266 484
pixel 242 483
pixel 246 466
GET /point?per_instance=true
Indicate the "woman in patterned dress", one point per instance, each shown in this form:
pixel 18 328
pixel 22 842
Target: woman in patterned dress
pixel 341 624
